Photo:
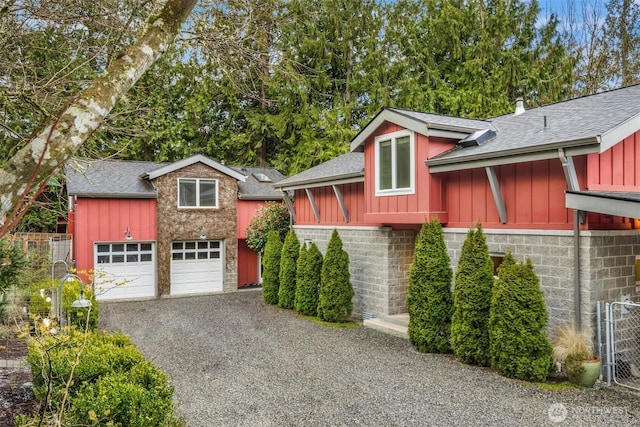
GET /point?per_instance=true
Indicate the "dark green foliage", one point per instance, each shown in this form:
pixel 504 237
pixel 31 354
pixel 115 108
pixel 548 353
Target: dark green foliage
pixel 111 382
pixel 429 299
pixel 38 305
pixel 519 347
pixel 472 301
pixel 271 268
pixel 288 259
pixel 270 216
pixel 308 280
pixel 12 264
pixel 336 292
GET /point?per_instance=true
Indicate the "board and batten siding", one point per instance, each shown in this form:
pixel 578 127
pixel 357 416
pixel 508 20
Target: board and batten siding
pixel 247 209
pixel 330 213
pixel 105 220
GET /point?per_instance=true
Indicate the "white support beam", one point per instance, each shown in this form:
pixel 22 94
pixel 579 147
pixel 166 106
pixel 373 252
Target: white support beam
pixel 569 170
pixel 497 195
pixel 343 207
pixel 289 203
pixel 312 200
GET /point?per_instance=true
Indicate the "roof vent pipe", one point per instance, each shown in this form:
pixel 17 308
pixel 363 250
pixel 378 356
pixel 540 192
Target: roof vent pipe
pixel 519 106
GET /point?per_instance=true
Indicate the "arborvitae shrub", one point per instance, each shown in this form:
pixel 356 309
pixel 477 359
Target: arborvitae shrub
pixel 308 280
pixel 334 300
pixel 288 259
pixel 429 298
pixel 519 347
pixel 472 301
pixel 271 268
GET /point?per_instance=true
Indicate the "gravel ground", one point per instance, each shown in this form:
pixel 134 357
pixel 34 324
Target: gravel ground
pixel 238 362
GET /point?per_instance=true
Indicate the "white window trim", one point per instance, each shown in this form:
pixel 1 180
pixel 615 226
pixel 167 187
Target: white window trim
pixel 393 136
pixel 198 193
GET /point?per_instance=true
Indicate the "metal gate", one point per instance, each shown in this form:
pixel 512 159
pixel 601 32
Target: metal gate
pixel 622 346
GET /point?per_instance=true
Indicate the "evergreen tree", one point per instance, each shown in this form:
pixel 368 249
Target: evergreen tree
pixel 472 301
pixel 429 299
pixel 336 292
pixel 308 280
pixel 288 259
pixel 271 268
pixel 519 347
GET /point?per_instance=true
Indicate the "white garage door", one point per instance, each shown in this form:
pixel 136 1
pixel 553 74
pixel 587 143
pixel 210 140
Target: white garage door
pixel 196 267
pixel 124 270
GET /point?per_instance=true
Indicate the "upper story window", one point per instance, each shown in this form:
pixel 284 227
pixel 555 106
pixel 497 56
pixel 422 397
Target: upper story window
pixel 394 163
pixel 197 193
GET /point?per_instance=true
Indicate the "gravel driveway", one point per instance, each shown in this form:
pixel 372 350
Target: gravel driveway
pixel 238 362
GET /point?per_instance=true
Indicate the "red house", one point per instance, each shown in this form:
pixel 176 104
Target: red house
pixel 154 229
pixel 559 184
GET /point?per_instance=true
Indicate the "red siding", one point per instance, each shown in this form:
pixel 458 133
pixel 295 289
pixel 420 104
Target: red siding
pixel 110 218
pixel 330 212
pixel 618 168
pixel 248 266
pixel 246 210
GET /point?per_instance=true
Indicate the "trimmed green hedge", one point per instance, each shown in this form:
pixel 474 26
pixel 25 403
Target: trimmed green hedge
pixel 429 299
pixel 288 259
pixel 308 280
pixel 271 268
pixel 336 293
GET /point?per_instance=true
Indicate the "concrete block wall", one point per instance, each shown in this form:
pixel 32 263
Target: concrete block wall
pixel 379 261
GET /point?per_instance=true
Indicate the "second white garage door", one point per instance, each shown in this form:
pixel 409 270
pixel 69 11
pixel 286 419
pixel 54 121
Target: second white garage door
pixel 197 267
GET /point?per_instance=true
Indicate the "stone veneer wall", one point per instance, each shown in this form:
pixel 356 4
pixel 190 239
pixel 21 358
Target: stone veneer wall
pixel 379 260
pixel 186 224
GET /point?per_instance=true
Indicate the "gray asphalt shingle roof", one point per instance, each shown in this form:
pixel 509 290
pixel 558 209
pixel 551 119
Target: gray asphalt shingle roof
pixel 574 121
pixel 349 165
pixel 122 179
pixel 109 178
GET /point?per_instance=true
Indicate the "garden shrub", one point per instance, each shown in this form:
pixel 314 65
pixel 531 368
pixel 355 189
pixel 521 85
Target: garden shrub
pixel 472 301
pixel 288 259
pixel 52 357
pixel 272 216
pixel 519 347
pixel 39 306
pixel 271 268
pixel 336 293
pixel 141 397
pixel 429 299
pixel 308 280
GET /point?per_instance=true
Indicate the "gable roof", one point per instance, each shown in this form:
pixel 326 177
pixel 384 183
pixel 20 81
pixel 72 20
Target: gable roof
pixel 253 189
pixel 343 169
pixel 424 123
pixel 109 178
pixel 198 158
pixel 590 124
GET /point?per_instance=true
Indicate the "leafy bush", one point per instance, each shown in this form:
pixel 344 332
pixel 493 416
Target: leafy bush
pixel 140 397
pixel 13 263
pixel 288 259
pixel 272 216
pixel 308 280
pixel 271 268
pixel 519 347
pixel 472 301
pixel 39 305
pixel 336 292
pixel 52 357
pixel 429 300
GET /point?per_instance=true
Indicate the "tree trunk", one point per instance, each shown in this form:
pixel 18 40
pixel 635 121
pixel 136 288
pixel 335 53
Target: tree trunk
pixel 57 139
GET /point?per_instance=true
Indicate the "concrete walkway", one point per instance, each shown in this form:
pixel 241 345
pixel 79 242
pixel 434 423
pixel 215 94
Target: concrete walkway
pixel 238 362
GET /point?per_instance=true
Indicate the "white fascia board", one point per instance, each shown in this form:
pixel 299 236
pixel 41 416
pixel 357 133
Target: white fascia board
pixel 323 183
pixel 494 159
pixel 616 134
pixel 603 205
pixel 192 160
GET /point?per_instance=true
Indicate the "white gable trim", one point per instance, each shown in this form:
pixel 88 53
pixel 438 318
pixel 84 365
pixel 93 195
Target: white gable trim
pixel 193 160
pixel 616 134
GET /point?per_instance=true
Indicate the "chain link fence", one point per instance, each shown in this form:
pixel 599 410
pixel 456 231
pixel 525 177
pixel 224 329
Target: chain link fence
pixel 622 344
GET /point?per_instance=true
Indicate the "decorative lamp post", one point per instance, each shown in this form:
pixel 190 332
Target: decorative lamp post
pixel 79 303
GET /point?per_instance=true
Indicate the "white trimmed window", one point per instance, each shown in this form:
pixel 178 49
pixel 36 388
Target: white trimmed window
pixel 197 193
pixel 394 154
